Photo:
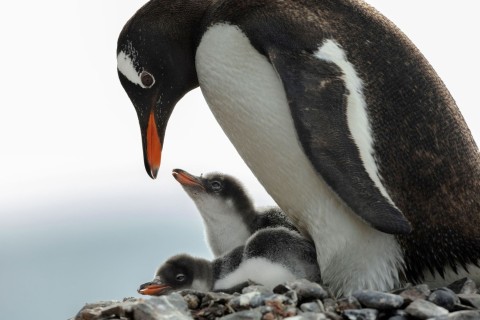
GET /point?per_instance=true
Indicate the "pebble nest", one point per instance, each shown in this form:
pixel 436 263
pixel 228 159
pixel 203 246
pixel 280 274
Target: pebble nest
pixel 298 300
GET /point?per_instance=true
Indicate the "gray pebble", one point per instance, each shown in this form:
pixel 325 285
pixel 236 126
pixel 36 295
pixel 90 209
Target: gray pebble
pixel 470 299
pixel 308 316
pixel 244 315
pixel 349 302
pixel 463 286
pixel 464 315
pixel 397 317
pixel 445 298
pixel 247 300
pixel 258 288
pixel 311 307
pixel 413 293
pixel 330 305
pixel 424 309
pixel 378 300
pixel 305 289
pixel 193 302
pixel 360 314
pixel 279 299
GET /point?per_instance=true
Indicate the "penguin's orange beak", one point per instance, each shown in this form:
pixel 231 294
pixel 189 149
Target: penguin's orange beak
pixel 153 148
pixel 153 289
pixel 186 179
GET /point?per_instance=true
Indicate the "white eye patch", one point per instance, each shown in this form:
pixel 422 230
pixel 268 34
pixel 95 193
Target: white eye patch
pixel 126 66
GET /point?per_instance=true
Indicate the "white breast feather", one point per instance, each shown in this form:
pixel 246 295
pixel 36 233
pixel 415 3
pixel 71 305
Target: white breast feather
pixel 247 98
pixel 224 226
pixel 258 270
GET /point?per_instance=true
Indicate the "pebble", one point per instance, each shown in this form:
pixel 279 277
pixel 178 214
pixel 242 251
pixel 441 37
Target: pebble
pixel 244 315
pixel 316 307
pixel 349 302
pixel 297 300
pixel 423 309
pixel 445 298
pixel 463 286
pixel 363 314
pixel 470 299
pixel 306 290
pixel 378 300
pixel 413 293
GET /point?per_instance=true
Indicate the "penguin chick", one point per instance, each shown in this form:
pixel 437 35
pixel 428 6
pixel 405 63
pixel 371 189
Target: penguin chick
pixel 270 256
pixel 227 211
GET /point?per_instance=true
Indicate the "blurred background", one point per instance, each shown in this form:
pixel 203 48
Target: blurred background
pixel 80 220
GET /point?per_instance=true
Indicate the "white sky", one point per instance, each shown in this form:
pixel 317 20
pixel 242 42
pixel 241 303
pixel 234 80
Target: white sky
pixel 67 129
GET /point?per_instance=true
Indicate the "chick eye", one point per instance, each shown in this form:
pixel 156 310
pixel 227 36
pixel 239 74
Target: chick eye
pixel 180 277
pixel 147 79
pixel 216 185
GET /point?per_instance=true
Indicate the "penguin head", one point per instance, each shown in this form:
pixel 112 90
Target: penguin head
pixel 156 66
pixel 216 187
pixel 176 273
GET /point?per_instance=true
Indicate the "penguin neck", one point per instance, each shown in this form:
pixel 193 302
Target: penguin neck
pixel 203 275
pixel 227 224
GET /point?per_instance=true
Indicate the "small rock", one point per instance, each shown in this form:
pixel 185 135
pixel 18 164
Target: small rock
pixel 378 300
pixel 282 299
pixel 464 315
pixel 244 315
pixel 424 309
pixel 349 302
pixel 463 286
pixel 258 288
pixel 311 307
pixel 470 299
pixel 246 300
pixel 210 298
pixel 308 316
pixel 413 293
pixel 397 317
pixel 330 305
pixel 93 310
pixel 192 301
pixel 306 290
pixel 360 314
pixel 445 298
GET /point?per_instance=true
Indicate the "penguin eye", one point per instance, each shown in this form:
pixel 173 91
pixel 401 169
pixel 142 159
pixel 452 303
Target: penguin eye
pixel 216 186
pixel 147 79
pixel 180 277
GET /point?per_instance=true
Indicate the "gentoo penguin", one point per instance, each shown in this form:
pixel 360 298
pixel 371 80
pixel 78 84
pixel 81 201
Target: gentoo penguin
pixel 269 257
pixel 227 211
pixel 338 115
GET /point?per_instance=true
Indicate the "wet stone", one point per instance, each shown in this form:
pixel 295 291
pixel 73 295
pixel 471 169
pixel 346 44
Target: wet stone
pixel 306 290
pixel 215 297
pixel 247 300
pixel 193 302
pixel 464 315
pixel 445 298
pixel 378 300
pixel 280 299
pixel 463 286
pixel 330 305
pixel 470 300
pixel 349 302
pixel 311 307
pixel 244 315
pixel 308 316
pixel 258 288
pixel 360 314
pixel 413 293
pixel 423 309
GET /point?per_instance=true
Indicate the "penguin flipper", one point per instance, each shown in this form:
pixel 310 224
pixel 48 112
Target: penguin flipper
pixel 317 95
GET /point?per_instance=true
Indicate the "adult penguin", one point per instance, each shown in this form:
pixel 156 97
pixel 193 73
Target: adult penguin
pixel 337 114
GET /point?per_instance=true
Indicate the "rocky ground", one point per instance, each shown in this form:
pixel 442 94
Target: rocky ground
pixel 298 300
